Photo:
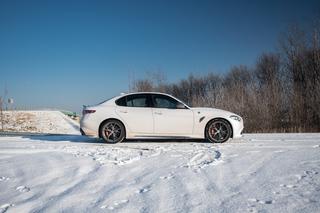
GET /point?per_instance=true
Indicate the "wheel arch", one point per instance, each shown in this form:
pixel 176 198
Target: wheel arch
pixel 111 119
pixel 218 118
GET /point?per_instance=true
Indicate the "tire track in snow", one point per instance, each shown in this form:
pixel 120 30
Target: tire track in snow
pixel 214 187
pixel 56 198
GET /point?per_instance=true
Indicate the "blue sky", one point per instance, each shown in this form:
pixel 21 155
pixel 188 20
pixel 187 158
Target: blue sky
pixel 63 54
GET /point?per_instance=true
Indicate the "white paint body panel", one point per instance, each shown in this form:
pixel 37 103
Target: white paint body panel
pixel 142 122
pixel 173 122
pixel 137 119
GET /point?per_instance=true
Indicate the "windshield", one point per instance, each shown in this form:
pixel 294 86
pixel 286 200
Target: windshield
pixel 189 106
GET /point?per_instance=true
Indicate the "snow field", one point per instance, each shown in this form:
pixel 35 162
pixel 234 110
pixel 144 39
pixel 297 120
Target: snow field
pixel 258 173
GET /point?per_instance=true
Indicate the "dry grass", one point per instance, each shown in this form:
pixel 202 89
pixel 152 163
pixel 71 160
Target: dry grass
pixel 18 122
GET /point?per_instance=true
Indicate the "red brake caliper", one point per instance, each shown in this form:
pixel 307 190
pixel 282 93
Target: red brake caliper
pixel 106 132
pixel 212 131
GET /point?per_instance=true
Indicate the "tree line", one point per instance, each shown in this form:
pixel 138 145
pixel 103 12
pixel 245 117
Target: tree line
pixel 280 93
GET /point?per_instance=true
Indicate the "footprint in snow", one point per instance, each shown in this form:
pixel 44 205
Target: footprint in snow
pixel 143 190
pixel 4 178
pixel 116 204
pixel 253 210
pixel 23 189
pixel 266 201
pixel 300 177
pixel 203 159
pixel 260 201
pixel 288 186
pixel 5 207
pixel 306 174
pixel 310 172
pixel 170 176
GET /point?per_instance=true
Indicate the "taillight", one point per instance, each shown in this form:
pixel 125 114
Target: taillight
pixel 88 111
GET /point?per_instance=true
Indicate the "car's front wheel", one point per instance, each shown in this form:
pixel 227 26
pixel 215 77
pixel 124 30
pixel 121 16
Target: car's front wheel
pixel 218 131
pixel 112 131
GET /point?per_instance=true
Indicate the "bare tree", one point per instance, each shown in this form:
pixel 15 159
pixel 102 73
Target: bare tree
pixel 280 93
pixel 301 56
pixel 270 95
pixel 143 85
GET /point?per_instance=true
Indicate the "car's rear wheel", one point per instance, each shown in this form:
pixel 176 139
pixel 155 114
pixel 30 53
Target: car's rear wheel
pixel 112 131
pixel 218 131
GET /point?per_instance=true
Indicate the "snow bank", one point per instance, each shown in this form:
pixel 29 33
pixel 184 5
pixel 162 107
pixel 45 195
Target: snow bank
pixel 39 122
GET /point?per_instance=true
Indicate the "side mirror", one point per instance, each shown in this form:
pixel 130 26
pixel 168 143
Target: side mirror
pixel 180 106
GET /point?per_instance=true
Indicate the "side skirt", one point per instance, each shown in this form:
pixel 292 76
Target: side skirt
pixel 163 137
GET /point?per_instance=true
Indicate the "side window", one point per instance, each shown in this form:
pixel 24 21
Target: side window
pixel 122 101
pixel 162 101
pixel 139 100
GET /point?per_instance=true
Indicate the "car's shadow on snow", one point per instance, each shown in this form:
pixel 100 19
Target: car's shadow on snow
pixel 165 141
pixel 86 139
pixel 63 138
pixel 91 140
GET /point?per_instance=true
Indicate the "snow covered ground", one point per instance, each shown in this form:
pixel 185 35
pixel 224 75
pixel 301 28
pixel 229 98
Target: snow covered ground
pixel 39 122
pixel 71 173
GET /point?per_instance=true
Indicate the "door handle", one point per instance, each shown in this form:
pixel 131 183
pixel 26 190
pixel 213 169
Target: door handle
pixel 123 111
pixel 158 113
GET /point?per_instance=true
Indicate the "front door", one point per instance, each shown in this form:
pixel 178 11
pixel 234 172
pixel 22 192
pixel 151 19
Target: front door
pixel 170 120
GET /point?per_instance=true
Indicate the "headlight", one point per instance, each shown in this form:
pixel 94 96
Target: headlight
pixel 235 117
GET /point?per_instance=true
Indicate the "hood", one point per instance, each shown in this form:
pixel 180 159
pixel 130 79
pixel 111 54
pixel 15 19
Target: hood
pixel 209 111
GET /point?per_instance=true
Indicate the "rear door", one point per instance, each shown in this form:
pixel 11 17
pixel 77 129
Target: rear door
pixel 168 119
pixel 135 111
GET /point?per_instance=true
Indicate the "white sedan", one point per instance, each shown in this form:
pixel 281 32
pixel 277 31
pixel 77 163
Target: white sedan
pixel 157 115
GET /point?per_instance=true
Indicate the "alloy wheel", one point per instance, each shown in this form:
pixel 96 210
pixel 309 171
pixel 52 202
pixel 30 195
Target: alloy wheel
pixel 219 131
pixel 112 132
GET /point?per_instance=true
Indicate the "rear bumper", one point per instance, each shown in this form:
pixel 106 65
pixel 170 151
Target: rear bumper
pixel 87 132
pixel 87 127
pixel 82 132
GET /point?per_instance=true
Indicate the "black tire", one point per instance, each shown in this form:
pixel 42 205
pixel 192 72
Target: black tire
pixel 218 131
pixel 112 131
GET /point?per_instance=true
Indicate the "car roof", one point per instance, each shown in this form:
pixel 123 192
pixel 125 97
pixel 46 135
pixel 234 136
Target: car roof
pixel 136 93
pixel 132 93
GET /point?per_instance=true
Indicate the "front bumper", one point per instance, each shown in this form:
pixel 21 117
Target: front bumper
pixel 237 127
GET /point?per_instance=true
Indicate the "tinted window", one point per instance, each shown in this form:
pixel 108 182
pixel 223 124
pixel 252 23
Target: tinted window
pixel 162 101
pixel 121 101
pixel 138 100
